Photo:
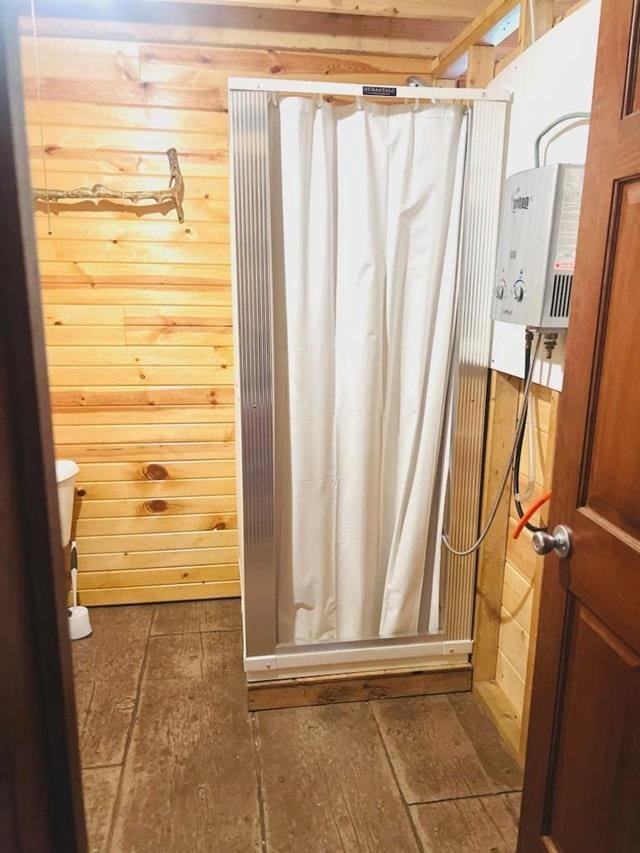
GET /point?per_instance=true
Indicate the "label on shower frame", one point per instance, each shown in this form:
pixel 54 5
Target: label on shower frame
pixel 380 91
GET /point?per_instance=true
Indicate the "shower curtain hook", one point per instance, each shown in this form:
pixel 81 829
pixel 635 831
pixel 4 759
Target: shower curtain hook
pixel 318 101
pixel 415 106
pixel 273 99
pixel 359 103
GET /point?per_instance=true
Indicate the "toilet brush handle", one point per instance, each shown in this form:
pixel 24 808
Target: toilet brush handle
pixel 74 574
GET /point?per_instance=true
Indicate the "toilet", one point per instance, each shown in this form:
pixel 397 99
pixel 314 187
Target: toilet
pixel 66 473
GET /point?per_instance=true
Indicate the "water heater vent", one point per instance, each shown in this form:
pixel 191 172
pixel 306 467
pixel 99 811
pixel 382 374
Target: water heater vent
pixel 561 295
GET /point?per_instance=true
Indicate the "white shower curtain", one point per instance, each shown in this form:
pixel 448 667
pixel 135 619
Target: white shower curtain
pixel 371 205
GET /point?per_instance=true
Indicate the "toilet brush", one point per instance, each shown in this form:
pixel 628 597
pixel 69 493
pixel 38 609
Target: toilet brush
pixel 79 622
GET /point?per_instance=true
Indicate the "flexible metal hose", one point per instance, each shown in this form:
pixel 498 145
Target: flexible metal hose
pixel 464 552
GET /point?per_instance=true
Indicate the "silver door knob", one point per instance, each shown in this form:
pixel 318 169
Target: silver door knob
pixel 558 541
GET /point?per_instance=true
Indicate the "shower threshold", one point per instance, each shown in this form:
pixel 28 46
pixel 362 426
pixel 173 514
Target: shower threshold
pixel 337 658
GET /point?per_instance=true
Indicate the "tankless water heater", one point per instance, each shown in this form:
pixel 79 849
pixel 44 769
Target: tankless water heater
pixel 537 246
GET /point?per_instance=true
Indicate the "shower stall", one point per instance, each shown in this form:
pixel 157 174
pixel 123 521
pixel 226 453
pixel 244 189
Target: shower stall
pixel 365 230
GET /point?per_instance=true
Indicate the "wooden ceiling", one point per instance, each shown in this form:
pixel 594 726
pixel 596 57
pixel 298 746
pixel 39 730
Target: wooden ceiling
pixel 438 33
pixel 425 10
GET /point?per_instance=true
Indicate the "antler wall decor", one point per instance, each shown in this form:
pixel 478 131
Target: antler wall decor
pixel 174 193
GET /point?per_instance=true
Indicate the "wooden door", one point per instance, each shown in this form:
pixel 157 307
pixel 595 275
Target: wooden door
pixel 40 788
pixel 582 779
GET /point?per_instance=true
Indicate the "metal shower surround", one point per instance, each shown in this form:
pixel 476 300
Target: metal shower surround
pixel 257 264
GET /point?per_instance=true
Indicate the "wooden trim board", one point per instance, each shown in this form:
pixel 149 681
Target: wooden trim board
pixel 356 687
pixel 160 592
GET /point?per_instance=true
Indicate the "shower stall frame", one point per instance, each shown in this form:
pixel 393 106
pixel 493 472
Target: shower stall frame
pixel 257 263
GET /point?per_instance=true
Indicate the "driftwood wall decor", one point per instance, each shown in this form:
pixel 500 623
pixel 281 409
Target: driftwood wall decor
pixel 174 193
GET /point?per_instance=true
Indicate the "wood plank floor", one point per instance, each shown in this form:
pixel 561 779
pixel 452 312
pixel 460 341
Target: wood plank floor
pixel 174 763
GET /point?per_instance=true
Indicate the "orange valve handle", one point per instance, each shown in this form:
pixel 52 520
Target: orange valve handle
pixel 535 506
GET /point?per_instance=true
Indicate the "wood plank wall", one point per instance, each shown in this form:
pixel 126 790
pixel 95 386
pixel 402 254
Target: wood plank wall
pixel 507 601
pixel 523 572
pixel 138 307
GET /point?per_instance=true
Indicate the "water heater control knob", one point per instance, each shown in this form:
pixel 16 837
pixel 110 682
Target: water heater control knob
pixel 500 289
pixel 518 290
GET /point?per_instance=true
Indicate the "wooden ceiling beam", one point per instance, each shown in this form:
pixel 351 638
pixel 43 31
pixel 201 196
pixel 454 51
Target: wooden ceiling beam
pixel 482 60
pixel 543 19
pixel 433 10
pixel 226 26
pixel 472 34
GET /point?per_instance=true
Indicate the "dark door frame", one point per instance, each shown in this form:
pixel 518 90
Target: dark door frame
pixel 40 782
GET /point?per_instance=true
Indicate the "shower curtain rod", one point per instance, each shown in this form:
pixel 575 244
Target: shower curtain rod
pixel 363 90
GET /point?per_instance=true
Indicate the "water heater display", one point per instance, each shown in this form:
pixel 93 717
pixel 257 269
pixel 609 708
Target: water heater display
pixel 537 248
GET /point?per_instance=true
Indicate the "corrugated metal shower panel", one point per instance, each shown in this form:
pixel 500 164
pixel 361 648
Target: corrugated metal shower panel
pixel 257 259
pixel 255 166
pixel 483 182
